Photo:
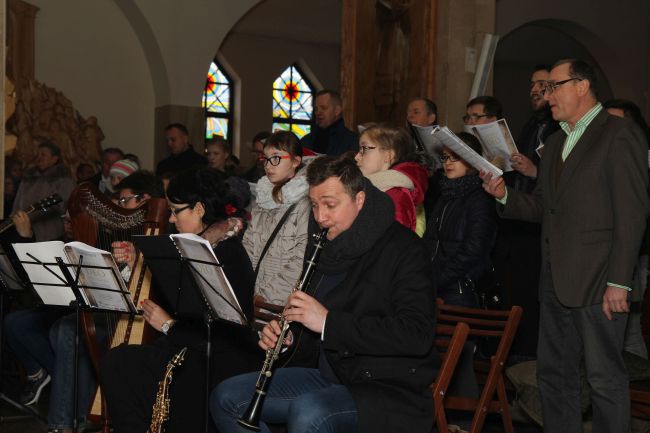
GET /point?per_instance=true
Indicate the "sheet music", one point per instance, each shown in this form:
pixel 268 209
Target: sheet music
pixel 194 247
pixel 429 139
pixel 497 141
pixel 458 146
pixel 37 273
pixel 102 278
pixel 8 274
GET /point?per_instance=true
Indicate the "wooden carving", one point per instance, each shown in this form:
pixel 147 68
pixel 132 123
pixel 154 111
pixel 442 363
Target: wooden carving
pixel 45 113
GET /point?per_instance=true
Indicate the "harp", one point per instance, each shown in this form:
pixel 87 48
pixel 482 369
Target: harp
pixel 97 221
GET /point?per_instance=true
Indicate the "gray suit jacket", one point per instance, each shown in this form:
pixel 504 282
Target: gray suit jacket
pixel 592 208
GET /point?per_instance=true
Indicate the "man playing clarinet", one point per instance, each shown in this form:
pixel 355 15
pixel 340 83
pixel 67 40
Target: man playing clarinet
pixel 360 351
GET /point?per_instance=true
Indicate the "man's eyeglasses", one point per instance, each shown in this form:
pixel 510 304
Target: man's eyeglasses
pixel 122 201
pixel 474 117
pixel 551 86
pixel 364 149
pixel 175 212
pixel 273 160
pixel 451 158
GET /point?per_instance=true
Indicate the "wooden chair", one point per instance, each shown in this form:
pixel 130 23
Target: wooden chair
pixel 264 312
pixel 450 350
pixel 485 323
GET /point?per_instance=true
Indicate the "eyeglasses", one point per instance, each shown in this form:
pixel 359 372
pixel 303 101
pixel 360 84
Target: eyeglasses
pixel 364 149
pixel 551 86
pixel 474 117
pixel 175 212
pixel 451 158
pixel 122 201
pixel 274 160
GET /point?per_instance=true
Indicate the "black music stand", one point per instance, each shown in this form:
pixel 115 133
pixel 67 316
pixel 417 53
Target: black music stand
pixel 174 274
pixel 81 302
pixel 10 282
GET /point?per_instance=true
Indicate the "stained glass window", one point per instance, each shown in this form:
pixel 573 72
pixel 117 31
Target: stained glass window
pixel 218 102
pixel 292 102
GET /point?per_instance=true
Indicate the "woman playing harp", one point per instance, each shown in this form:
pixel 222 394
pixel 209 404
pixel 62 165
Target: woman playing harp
pixel 130 374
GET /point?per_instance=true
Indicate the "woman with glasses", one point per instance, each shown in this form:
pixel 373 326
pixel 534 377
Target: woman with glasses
pixel 460 235
pixel 387 158
pixel 130 373
pixel 461 230
pixel 282 204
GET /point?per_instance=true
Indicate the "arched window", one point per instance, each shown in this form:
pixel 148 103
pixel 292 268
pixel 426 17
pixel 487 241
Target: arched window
pixel 218 103
pixel 292 102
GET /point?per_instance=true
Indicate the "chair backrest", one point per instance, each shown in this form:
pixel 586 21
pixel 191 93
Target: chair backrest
pixel 264 312
pixel 449 342
pixel 485 323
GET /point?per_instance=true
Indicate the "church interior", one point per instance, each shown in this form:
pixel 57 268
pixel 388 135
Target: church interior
pixel 91 75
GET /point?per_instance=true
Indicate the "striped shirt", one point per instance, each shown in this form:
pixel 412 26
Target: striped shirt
pixel 573 135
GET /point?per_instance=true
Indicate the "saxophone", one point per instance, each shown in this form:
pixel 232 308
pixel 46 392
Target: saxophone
pixel 161 406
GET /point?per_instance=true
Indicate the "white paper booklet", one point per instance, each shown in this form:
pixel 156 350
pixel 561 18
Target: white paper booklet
pixel 496 140
pixel 100 288
pixel 429 139
pixel 210 279
pixel 458 146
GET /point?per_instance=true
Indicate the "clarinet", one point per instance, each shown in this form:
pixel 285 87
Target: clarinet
pixel 251 418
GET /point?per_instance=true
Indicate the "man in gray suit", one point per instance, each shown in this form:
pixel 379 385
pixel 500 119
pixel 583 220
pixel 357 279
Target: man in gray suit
pixel 592 202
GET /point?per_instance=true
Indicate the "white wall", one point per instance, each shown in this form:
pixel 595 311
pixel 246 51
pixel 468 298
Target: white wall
pixel 118 60
pixel 88 51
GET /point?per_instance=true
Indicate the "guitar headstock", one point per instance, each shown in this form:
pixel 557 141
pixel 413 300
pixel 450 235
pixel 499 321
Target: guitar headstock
pixel 47 202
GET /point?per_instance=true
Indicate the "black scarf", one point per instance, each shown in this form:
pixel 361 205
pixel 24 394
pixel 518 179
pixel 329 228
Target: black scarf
pixel 375 217
pixel 459 187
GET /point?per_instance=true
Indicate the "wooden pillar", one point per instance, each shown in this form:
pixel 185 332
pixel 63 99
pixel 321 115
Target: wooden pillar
pixel 388 56
pixel 20 24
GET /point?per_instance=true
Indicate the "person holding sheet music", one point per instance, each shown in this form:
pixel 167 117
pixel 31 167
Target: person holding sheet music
pixel 387 158
pixel 281 204
pixel 130 373
pixel 460 235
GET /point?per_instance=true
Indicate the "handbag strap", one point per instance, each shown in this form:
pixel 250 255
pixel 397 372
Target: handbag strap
pixel 272 237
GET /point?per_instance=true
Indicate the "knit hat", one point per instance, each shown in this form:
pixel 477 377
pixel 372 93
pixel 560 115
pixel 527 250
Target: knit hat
pixel 123 168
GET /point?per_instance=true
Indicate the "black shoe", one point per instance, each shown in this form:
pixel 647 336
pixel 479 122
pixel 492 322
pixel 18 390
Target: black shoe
pixel 33 388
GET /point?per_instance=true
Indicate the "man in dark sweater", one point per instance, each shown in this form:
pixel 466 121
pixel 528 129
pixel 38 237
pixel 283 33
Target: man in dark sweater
pixel 183 156
pixel 329 135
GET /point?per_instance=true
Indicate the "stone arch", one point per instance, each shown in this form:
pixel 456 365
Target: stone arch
pixel 542 42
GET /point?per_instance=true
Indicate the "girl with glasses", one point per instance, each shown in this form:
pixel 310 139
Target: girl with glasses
pixel 281 191
pixel 460 234
pixel 387 158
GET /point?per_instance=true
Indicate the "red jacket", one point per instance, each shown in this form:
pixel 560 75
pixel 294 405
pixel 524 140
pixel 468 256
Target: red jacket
pixel 405 183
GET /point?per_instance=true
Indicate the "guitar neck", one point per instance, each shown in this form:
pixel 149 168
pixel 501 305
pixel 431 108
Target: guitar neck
pixel 8 223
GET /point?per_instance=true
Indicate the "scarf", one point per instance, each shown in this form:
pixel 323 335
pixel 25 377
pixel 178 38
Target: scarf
pixel 374 218
pixel 459 187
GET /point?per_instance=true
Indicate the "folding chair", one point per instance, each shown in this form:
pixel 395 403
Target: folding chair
pixel 485 323
pixel 450 350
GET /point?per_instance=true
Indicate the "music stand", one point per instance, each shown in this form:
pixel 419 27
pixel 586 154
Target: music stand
pixel 10 282
pixel 175 272
pixel 84 297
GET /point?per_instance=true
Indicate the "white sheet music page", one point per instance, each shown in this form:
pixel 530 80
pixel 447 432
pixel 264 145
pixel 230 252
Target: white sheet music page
pixel 458 146
pixel 92 280
pixel 224 303
pixel 497 141
pixel 44 277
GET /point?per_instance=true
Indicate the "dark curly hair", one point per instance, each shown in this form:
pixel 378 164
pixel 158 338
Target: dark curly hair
pixel 205 186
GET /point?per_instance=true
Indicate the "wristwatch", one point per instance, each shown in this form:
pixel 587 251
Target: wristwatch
pixel 167 326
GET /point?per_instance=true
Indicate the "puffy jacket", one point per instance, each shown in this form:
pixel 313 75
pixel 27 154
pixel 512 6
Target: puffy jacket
pixel 405 183
pixel 461 231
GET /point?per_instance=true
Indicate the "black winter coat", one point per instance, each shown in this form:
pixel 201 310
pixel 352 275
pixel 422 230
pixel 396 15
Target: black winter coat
pixel 461 230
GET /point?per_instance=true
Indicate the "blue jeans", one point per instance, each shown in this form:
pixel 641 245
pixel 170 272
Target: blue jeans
pixel 27 333
pixel 62 340
pixel 298 397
